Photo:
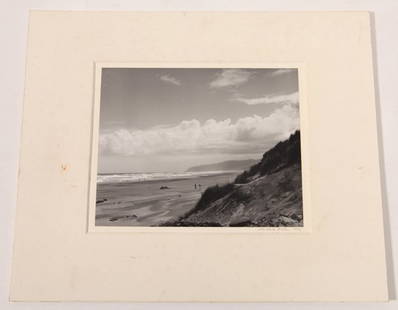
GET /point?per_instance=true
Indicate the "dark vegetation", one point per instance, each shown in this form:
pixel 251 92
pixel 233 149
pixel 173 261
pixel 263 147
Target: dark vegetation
pixel 211 194
pixel 282 155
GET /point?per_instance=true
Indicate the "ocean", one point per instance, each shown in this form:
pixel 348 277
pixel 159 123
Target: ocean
pixel 108 178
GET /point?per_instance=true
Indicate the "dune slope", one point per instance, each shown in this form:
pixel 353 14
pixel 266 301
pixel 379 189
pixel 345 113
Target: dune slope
pixel 269 194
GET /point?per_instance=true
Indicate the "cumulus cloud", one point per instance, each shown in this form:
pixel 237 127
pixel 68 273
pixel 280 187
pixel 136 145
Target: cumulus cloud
pixel 246 135
pixel 231 77
pixel 282 71
pixel 169 79
pixel 292 98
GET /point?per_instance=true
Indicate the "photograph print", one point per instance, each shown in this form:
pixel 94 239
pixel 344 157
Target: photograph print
pixel 199 147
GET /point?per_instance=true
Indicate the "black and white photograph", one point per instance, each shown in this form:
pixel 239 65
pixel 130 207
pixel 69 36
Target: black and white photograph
pixel 199 147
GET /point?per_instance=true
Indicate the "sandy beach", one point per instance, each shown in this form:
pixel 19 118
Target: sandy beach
pixel 146 204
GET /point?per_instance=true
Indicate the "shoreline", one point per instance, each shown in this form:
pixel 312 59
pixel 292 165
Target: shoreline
pixel 177 178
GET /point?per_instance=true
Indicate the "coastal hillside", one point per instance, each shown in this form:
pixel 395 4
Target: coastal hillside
pixel 268 194
pixel 230 165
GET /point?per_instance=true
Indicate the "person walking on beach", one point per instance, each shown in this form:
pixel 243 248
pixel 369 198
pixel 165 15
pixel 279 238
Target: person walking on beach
pixel 195 185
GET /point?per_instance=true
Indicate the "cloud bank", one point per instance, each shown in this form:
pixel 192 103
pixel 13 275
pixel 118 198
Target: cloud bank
pixel 169 79
pixel 282 71
pixel 231 77
pixel 292 98
pixel 247 135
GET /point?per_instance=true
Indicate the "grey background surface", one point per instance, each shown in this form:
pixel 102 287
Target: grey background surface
pixel 13 34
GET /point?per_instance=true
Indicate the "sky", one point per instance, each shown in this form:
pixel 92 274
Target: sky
pixel 167 120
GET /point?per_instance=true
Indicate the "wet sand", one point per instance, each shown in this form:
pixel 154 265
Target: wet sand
pixel 145 204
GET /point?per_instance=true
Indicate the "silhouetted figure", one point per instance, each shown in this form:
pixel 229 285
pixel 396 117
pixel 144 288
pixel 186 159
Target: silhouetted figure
pixel 195 185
